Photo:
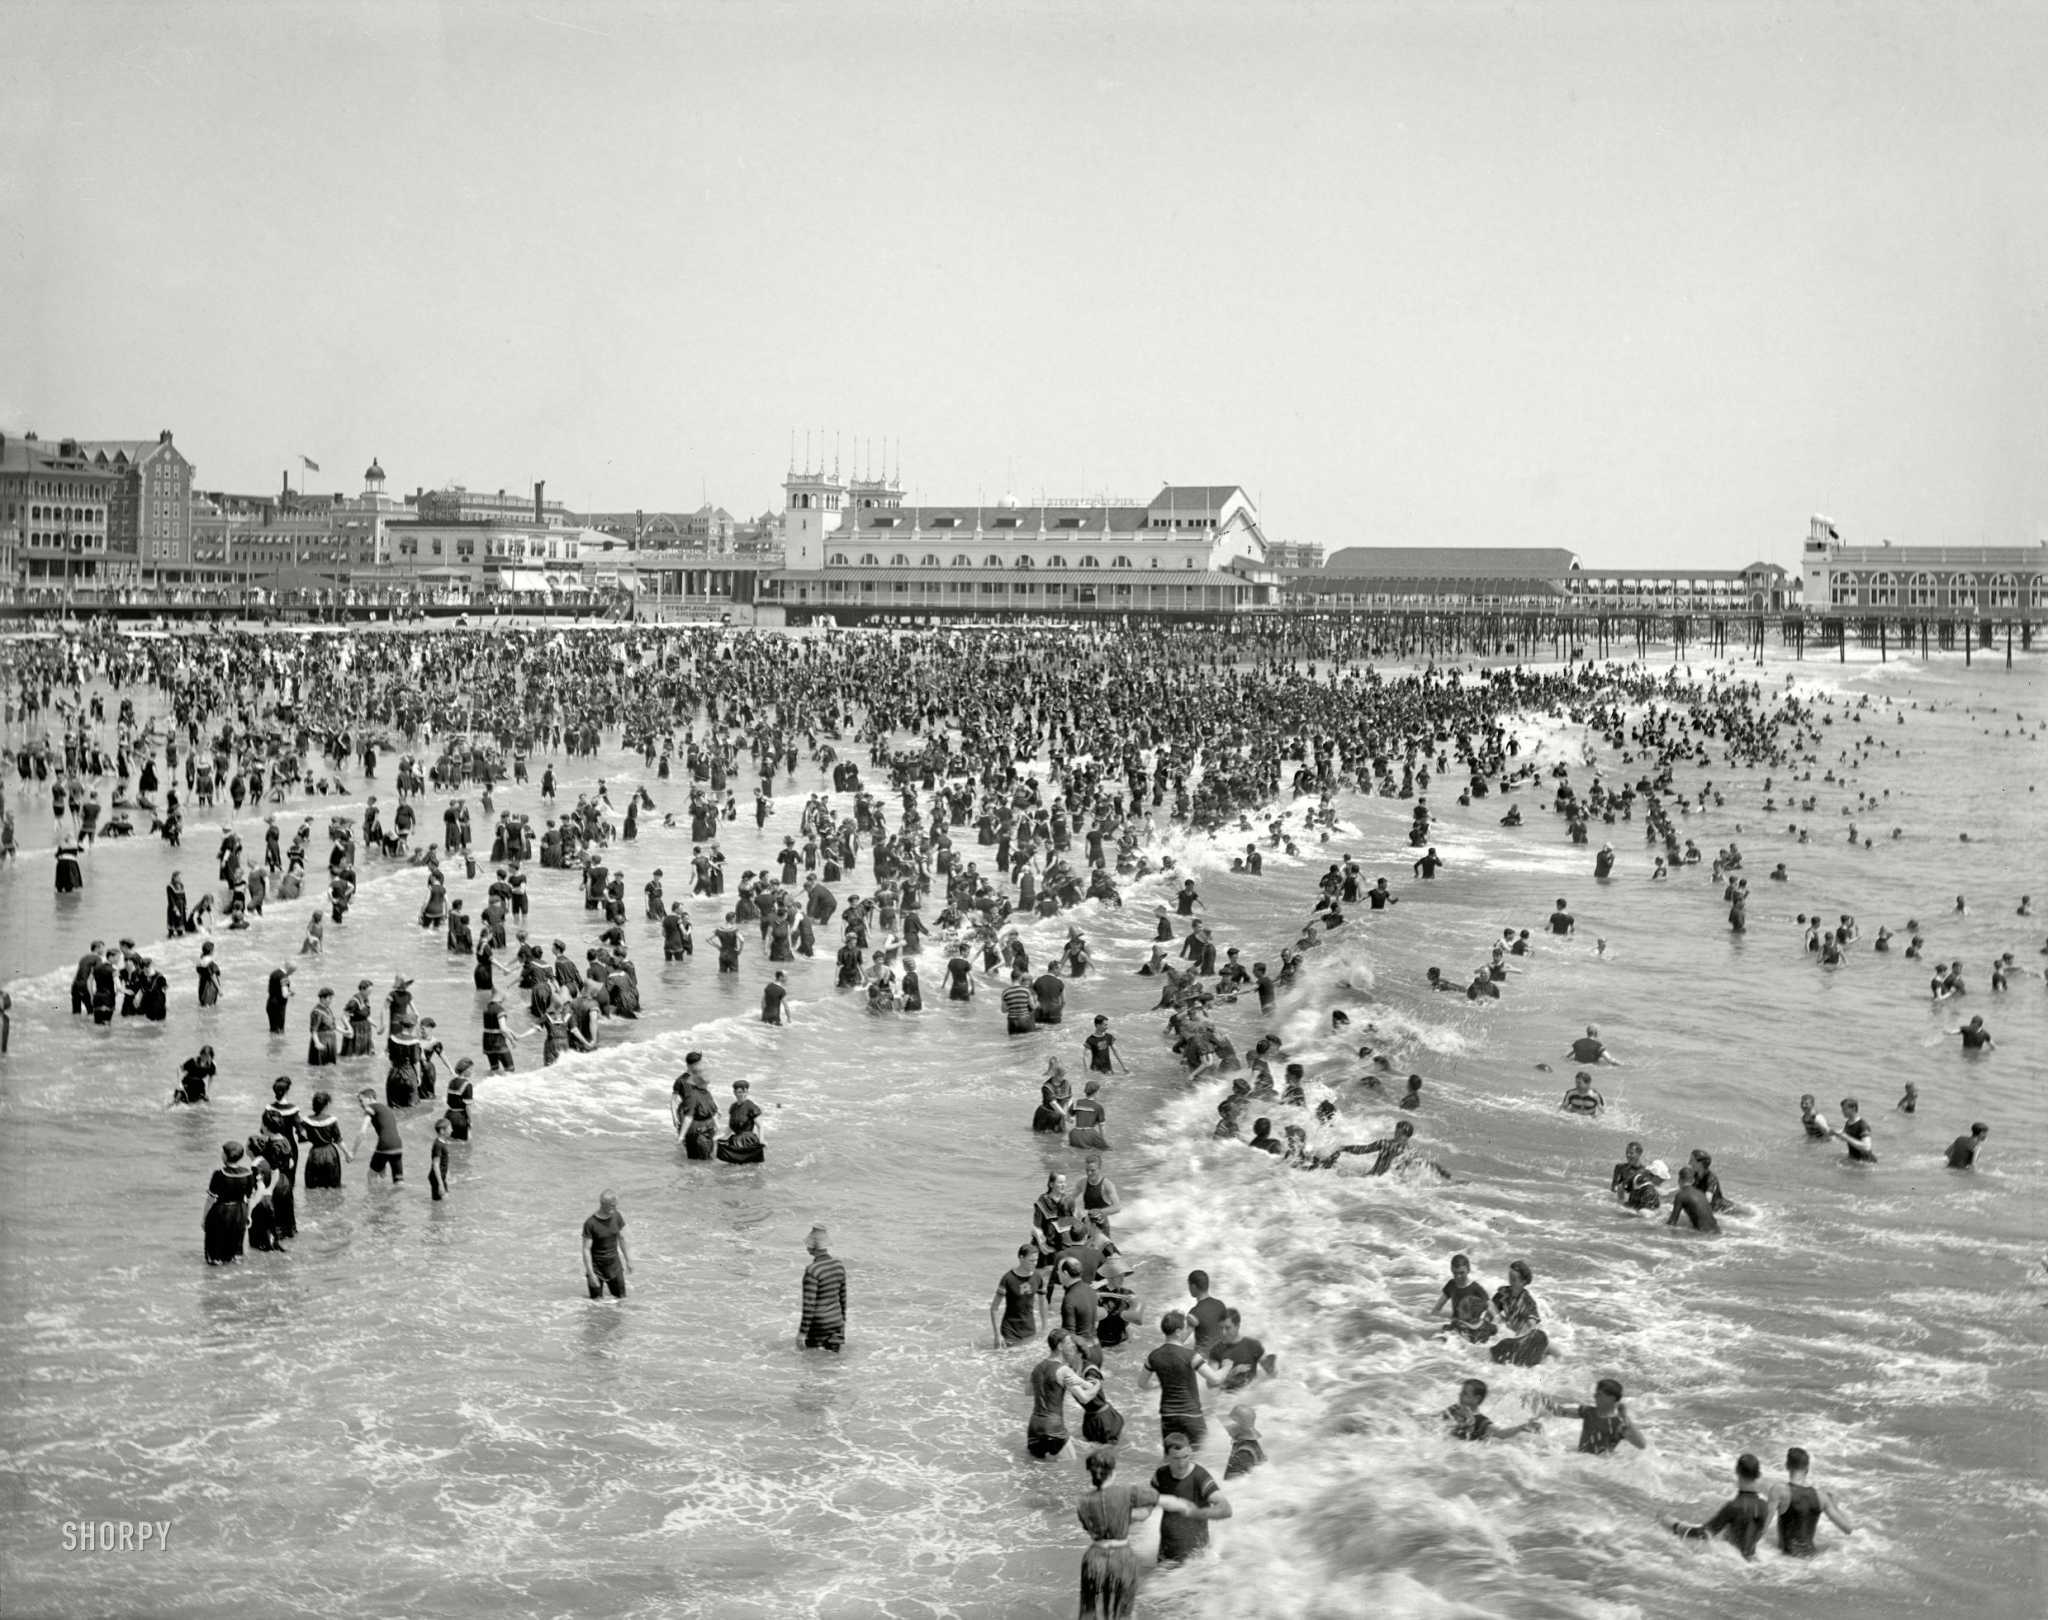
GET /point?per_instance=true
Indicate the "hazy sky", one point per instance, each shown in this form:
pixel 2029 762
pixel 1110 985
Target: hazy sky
pixel 1653 282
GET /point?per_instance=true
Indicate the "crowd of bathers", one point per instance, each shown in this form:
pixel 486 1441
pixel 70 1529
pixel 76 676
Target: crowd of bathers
pixel 980 780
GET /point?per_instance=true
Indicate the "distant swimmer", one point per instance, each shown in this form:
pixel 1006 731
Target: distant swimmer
pixel 1467 1422
pixel 1799 1507
pixel 1976 1038
pixel 1742 1518
pixel 1962 1152
pixel 1604 1425
pixel 1910 1101
pixel 1391 1152
pixel 605 1257
pixel 1582 1099
pixel 1428 866
pixel 1855 1133
pixel 1589 1048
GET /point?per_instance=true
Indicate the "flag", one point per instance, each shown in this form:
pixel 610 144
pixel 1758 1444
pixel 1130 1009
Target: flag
pixel 309 463
pixel 1833 532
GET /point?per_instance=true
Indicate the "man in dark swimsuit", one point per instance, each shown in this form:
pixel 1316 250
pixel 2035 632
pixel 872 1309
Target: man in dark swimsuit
pixel 1742 1518
pixel 1603 1425
pixel 1013 1313
pixel 1799 1507
pixel 1589 1048
pixel 605 1260
pixel 390 1151
pixel 1690 1202
pixel 1962 1152
pixel 1855 1133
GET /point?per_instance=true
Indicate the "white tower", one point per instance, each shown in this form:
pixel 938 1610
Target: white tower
pixel 813 509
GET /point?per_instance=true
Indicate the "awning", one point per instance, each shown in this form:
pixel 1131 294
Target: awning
pixel 520 579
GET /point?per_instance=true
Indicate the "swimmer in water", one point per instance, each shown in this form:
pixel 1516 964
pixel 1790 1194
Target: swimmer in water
pixel 1582 1098
pixel 1855 1133
pixel 1962 1152
pixel 1467 1422
pixel 1603 1425
pixel 1799 1507
pixel 1911 1101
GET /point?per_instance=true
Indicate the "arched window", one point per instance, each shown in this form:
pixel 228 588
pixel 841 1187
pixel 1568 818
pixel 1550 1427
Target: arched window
pixel 1923 590
pixel 1883 590
pixel 929 560
pixel 1120 562
pixel 1090 562
pixel 869 560
pixel 899 561
pixel 836 560
pixel 2036 590
pixel 1962 590
pixel 2003 591
pixel 1055 561
pixel 1023 562
pixel 992 562
pixel 963 561
pixel 1845 590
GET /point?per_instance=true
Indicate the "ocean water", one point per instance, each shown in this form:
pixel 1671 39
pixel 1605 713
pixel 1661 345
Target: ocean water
pixel 417 1411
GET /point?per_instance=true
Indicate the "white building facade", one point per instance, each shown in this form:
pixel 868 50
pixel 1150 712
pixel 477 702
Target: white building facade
pixel 853 546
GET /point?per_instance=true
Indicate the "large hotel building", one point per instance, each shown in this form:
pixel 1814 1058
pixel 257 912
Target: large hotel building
pixel 854 545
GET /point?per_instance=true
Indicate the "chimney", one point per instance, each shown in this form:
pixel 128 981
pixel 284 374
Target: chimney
pixel 164 437
pixel 539 485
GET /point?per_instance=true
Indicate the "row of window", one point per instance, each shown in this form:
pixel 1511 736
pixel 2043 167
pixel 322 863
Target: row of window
pixel 1158 530
pixel 58 540
pixel 999 587
pixel 1937 590
pixel 930 559
pixel 65 514
pixel 59 489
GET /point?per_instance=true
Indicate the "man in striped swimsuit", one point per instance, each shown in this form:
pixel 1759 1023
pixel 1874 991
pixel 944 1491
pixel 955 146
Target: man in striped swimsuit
pixel 824 1319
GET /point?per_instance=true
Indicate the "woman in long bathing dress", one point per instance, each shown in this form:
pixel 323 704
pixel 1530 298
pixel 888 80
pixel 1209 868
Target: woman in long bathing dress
pixel 264 1231
pixel 323 1045
pixel 225 1222
pixel 1109 1569
pixel 325 1149
pixel 209 976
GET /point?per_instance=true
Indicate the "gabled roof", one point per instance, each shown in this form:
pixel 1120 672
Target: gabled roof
pixel 21 455
pixel 131 451
pixel 1195 497
pixel 1447 562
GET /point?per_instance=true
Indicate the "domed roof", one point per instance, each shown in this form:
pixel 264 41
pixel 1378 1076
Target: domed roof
pixel 373 473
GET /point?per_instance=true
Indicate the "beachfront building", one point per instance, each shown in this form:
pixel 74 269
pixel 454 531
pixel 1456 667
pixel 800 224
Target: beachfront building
pixel 55 505
pixel 1363 578
pixel 149 519
pixel 1759 588
pixel 854 550
pixel 455 504
pixel 1910 580
pixel 1503 579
